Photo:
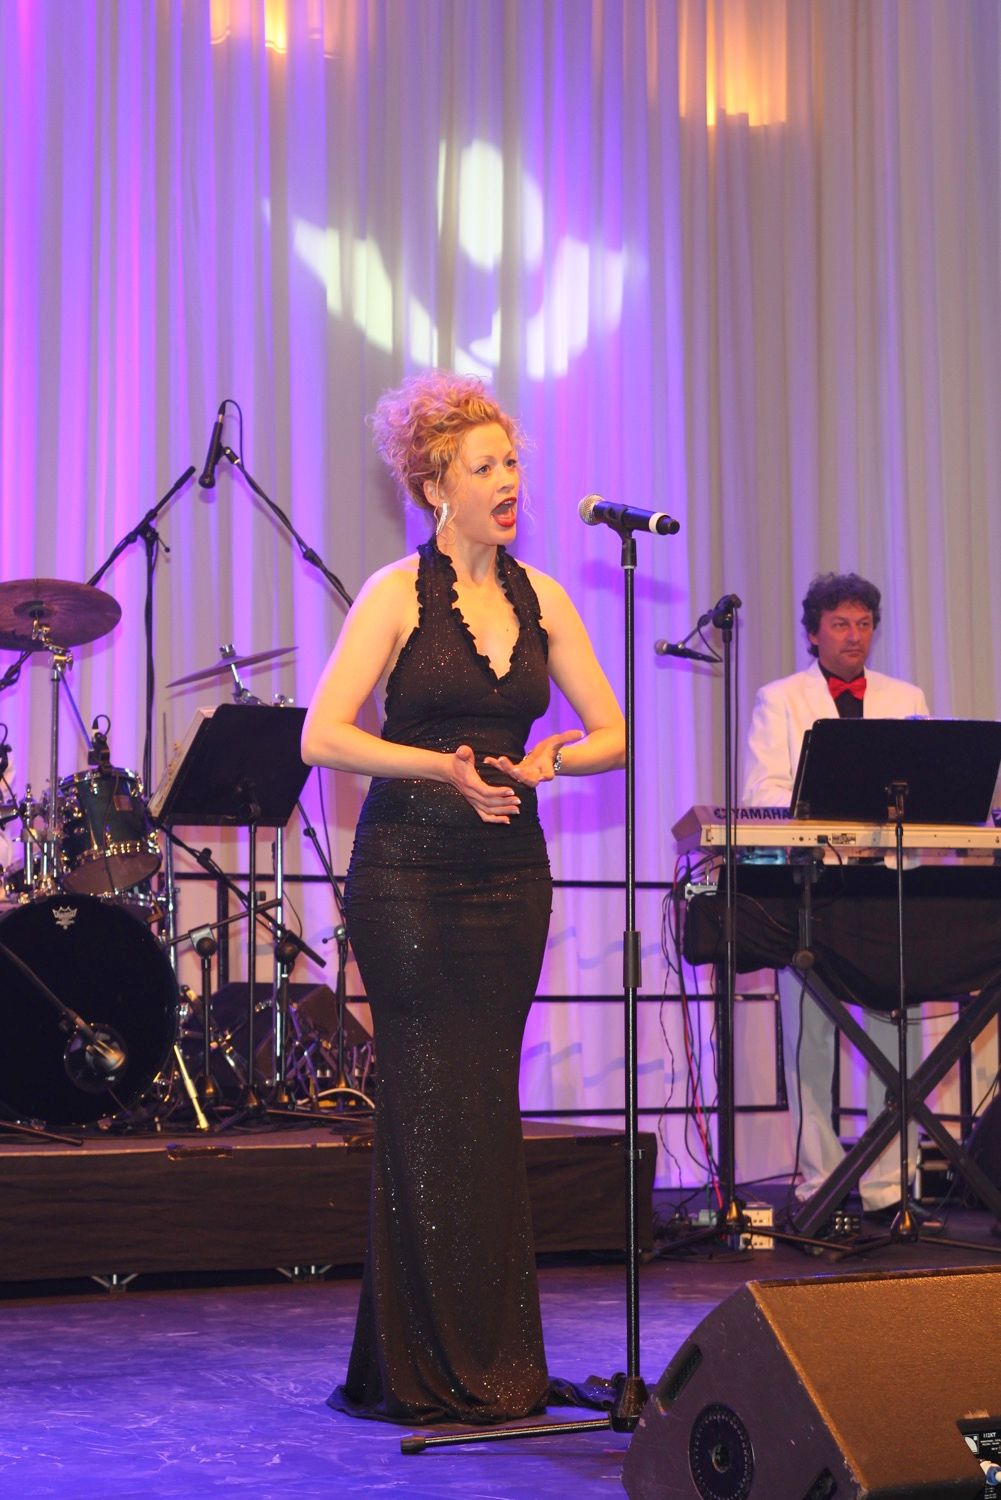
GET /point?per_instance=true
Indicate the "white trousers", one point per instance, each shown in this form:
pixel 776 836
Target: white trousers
pixel 820 1151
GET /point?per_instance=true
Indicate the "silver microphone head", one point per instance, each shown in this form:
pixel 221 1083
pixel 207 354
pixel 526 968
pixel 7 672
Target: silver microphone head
pixel 586 509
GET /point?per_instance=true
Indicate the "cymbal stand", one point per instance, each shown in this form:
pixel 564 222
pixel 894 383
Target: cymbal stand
pixel 60 662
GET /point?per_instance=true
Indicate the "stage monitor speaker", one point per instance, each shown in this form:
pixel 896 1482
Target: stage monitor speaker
pixel 855 1387
pixel 313 1009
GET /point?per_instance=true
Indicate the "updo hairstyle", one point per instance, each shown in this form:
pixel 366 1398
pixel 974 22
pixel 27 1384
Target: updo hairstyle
pixel 419 426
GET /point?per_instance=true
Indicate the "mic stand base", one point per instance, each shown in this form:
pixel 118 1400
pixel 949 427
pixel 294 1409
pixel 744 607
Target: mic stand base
pixel 905 1227
pixel 345 1099
pixel 281 1097
pixel 631 1397
pixel 207 1090
pixel 249 1107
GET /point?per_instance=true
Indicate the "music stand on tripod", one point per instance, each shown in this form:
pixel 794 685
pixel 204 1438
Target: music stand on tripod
pixel 897 771
pixel 239 767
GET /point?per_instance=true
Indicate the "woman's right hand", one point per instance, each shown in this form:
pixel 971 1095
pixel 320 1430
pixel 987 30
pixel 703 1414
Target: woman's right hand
pixel 494 804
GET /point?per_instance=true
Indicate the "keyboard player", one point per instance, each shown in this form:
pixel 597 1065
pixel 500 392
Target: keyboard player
pixel 841 614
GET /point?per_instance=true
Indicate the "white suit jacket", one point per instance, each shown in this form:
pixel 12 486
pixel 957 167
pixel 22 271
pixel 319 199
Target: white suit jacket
pixel 784 710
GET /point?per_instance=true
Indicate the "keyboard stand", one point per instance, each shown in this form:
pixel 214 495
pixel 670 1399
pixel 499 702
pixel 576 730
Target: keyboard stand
pixel 980 1011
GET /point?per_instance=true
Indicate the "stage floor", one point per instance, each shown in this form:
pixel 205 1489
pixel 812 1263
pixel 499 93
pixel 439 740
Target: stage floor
pixel 219 1390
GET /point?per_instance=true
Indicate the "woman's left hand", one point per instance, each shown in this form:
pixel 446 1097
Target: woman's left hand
pixel 537 764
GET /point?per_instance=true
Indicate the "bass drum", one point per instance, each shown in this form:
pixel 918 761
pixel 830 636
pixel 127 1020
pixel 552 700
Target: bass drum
pixel 104 964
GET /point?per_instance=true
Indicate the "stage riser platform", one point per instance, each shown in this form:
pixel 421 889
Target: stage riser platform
pixel 254 1202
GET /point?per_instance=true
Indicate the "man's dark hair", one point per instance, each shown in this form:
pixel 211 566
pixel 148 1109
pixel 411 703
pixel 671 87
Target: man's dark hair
pixel 828 590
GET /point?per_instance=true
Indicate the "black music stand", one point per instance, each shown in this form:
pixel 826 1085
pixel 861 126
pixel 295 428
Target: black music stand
pixel 239 767
pixel 931 771
pixel 950 767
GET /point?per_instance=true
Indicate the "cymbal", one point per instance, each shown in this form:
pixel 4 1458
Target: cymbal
pixel 71 613
pixel 223 665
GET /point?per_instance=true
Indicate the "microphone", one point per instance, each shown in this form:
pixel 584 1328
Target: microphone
pixel 99 753
pixel 666 648
pixel 726 605
pixel 593 509
pixel 207 477
pixel 94 1057
pixel 106 1053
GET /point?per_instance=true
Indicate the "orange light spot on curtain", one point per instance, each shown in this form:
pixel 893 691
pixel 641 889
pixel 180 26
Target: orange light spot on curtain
pixel 743 43
pixel 333 23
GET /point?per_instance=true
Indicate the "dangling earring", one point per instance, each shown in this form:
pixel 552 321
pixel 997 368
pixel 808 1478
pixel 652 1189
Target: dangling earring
pixel 440 517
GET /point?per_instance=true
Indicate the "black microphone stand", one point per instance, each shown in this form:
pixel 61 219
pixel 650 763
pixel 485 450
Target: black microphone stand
pixel 309 554
pixel 351 1097
pixel 732 1224
pixel 152 541
pixel 630 1392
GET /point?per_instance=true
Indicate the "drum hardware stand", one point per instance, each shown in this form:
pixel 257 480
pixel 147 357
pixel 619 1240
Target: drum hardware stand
pixel 288 945
pixel 204 1093
pixel 349 1097
pixel 191 1089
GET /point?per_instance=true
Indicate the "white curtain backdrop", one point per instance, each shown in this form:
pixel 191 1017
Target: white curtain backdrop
pixel 735 259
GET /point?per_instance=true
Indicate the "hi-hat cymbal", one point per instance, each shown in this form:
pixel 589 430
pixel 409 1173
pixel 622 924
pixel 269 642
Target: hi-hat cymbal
pixel 38 612
pixel 223 665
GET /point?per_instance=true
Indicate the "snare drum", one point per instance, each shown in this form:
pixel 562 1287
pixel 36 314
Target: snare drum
pixel 106 843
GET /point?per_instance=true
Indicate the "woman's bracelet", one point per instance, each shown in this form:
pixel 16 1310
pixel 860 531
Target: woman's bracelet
pixel 558 761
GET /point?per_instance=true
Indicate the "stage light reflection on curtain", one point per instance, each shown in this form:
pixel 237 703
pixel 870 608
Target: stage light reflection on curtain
pixel 578 292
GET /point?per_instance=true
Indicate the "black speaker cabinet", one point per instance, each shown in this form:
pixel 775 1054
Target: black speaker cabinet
pixel 850 1386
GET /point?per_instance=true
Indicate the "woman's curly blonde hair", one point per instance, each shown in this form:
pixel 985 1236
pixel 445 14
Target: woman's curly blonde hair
pixel 419 426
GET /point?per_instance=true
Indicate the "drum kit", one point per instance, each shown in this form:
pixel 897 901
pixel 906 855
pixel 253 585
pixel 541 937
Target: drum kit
pixel 91 1010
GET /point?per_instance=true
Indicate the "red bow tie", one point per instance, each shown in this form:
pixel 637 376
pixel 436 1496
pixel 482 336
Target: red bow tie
pixel 856 687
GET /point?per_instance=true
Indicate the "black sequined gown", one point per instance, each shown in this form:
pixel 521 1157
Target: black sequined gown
pixel 448 918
